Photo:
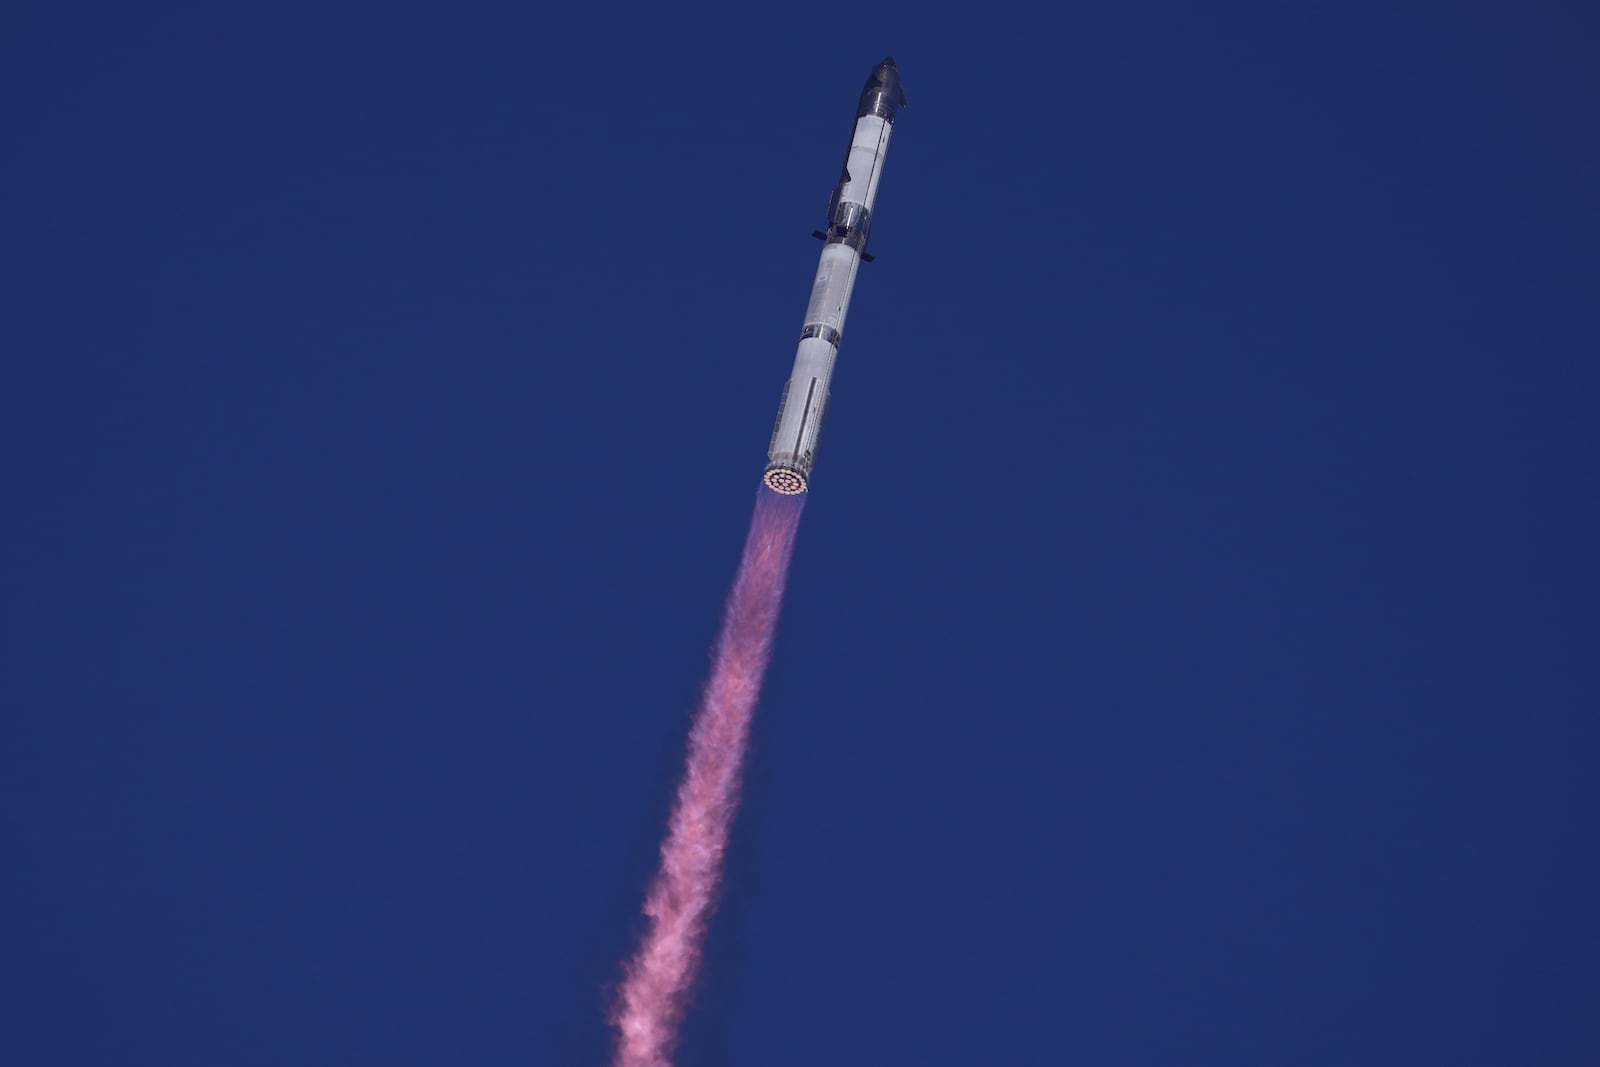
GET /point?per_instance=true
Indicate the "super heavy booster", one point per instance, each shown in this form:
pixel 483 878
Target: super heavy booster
pixel 805 397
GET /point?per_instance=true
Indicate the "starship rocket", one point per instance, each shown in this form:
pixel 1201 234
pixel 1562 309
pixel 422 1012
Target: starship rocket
pixel 844 246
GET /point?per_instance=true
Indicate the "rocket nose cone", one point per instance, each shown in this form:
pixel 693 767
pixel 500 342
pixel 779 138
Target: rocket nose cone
pixel 883 92
pixel 885 82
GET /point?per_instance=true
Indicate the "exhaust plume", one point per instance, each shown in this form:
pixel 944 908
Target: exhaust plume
pixel 659 978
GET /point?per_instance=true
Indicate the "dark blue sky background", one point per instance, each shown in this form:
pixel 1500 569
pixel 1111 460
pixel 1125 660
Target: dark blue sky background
pixel 1190 656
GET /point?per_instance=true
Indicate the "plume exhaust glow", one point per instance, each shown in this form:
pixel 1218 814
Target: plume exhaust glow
pixel 659 978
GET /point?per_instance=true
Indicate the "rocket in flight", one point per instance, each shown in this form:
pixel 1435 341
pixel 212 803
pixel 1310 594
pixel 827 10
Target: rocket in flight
pixel 844 246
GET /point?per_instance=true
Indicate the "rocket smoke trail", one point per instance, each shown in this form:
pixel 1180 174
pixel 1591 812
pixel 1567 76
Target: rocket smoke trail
pixel 658 979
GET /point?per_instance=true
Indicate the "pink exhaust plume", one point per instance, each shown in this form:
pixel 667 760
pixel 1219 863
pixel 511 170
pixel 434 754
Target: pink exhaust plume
pixel 657 981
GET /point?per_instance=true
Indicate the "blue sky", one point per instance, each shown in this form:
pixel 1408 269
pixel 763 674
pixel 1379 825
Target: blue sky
pixel 1189 654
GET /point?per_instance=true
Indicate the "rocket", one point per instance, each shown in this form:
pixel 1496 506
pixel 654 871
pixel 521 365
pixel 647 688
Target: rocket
pixel 844 246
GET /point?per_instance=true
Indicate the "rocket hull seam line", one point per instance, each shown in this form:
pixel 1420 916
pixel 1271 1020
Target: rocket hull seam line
pixel 805 419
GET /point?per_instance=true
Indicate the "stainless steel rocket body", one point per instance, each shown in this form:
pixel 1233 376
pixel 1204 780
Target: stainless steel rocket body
pixel 805 398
